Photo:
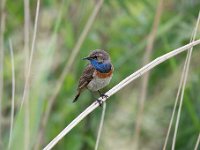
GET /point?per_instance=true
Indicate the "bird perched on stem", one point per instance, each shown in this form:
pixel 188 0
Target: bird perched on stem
pixel 97 74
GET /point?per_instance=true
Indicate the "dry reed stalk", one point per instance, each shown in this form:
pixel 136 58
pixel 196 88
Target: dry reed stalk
pixel 13 94
pixel 26 34
pixel 118 87
pixel 26 52
pixel 66 70
pixel 31 54
pixel 175 104
pixel 27 77
pixel 100 126
pixel 2 30
pixel 176 100
pixel 145 78
pixel 179 90
pixel 197 143
pixel 185 74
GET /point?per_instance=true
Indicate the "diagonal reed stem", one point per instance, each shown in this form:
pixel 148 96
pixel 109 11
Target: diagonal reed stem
pixel 118 87
pixel 179 90
pixel 175 105
pixel 145 78
pixel 66 70
pixel 185 75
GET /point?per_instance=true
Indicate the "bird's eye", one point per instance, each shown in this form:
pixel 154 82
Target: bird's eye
pixel 95 57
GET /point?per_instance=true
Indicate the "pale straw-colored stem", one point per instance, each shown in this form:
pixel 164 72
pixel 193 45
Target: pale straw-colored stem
pixel 175 105
pixel 100 126
pixel 26 34
pixel 197 143
pixel 145 79
pixel 13 94
pixel 29 60
pixel 184 83
pixel 118 87
pixel 26 52
pixel 178 93
pixel 31 55
pixel 39 135
pixel 68 66
pixel 2 30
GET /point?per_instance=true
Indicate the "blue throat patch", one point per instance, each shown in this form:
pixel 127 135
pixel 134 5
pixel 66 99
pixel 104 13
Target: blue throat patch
pixel 101 67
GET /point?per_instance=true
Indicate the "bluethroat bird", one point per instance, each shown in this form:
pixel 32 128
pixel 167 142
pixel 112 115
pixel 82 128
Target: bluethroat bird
pixel 97 73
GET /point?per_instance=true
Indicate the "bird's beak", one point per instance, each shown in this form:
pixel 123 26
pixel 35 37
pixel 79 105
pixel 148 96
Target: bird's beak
pixel 87 58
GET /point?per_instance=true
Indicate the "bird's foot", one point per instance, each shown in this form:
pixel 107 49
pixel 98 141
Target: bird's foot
pixel 100 102
pixel 103 95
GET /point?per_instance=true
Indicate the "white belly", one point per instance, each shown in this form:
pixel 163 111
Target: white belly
pixel 98 83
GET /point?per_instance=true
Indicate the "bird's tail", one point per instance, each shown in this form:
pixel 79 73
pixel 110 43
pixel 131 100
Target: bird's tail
pixel 77 96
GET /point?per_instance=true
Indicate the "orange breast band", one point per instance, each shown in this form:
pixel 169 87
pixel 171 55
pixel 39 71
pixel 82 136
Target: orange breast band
pixel 104 75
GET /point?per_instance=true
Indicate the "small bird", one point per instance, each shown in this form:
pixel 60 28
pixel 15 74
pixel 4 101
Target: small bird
pixel 97 73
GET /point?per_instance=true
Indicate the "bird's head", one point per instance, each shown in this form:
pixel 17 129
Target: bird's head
pixel 99 56
pixel 100 60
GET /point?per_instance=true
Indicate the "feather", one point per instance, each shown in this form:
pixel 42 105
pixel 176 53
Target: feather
pixel 85 78
pixel 101 67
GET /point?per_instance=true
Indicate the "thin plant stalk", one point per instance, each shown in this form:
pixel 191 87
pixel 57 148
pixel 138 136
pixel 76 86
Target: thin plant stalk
pixel 31 54
pixel 27 80
pixel 26 52
pixel 26 34
pixel 145 78
pixel 175 104
pixel 176 100
pixel 13 94
pixel 184 83
pixel 197 143
pixel 117 88
pixel 68 66
pixel 2 30
pixel 39 138
pixel 180 105
pixel 100 126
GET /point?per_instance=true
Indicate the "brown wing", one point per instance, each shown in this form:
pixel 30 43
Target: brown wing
pixel 85 78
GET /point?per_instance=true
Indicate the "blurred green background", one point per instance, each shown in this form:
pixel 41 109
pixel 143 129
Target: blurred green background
pixel 122 28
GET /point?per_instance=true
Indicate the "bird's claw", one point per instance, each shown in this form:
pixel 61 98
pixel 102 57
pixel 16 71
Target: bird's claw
pixel 103 95
pixel 100 102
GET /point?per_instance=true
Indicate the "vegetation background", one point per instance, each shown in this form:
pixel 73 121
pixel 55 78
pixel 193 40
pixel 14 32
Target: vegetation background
pixel 124 29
